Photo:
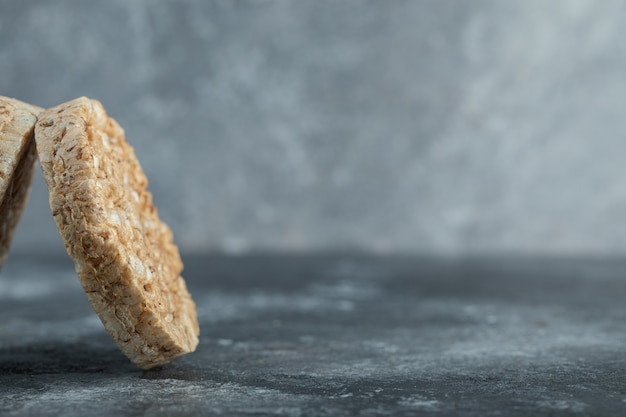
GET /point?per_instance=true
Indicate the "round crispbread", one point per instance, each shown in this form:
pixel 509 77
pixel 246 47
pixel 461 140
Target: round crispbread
pixel 124 255
pixel 17 165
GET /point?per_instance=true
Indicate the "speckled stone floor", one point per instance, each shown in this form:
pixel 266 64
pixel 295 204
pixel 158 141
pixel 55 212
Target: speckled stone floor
pixel 332 335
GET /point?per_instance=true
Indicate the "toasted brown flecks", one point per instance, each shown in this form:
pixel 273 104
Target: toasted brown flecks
pixel 17 163
pixel 124 255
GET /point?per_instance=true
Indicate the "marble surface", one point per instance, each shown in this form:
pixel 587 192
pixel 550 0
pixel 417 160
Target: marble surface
pixel 332 335
pixel 425 126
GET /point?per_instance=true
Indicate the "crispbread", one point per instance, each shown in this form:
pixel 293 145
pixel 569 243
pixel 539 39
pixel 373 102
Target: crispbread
pixel 124 255
pixel 17 165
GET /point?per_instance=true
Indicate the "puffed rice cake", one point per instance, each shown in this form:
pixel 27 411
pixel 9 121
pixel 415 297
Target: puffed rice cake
pixel 17 165
pixel 125 257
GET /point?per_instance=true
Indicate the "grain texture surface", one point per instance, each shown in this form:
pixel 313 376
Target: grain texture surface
pixel 17 163
pixel 124 255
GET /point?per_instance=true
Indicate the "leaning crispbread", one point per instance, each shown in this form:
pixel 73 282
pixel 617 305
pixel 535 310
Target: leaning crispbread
pixel 17 164
pixel 124 255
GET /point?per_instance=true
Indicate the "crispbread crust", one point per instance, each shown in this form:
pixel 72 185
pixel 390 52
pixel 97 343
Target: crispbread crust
pixel 124 255
pixel 17 165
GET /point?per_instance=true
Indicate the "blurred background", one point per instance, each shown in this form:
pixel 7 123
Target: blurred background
pixel 420 127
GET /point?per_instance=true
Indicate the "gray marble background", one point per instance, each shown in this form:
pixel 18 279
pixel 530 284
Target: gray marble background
pixel 448 127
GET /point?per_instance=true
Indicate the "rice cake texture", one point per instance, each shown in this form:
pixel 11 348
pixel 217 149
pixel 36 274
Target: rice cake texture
pixel 17 165
pixel 124 255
